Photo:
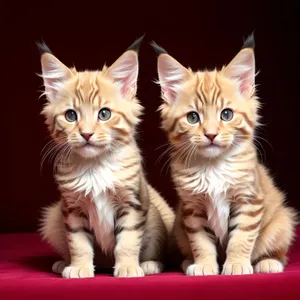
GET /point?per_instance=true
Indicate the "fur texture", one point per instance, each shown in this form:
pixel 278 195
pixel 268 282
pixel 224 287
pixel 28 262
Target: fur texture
pixel 226 195
pixel 105 198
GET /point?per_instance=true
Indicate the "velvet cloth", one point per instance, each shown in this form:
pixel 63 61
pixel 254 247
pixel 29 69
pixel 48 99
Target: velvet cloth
pixel 25 273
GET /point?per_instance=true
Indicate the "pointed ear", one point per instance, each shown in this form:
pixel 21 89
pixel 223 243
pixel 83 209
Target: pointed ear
pixel 124 71
pixel 54 72
pixel 242 68
pixel 171 74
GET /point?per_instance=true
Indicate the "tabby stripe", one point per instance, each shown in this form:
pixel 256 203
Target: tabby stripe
pixel 83 215
pixel 179 136
pixel 216 94
pixel 279 255
pixel 191 212
pixel 120 139
pixel 244 132
pixel 232 227
pixel 251 227
pixel 122 214
pixel 258 202
pixel 135 206
pixel 249 122
pixel 121 131
pixel 171 129
pixel 118 230
pixel 131 165
pixel 209 231
pixel 54 124
pixel 124 116
pixel 93 93
pixel 253 213
pixel 192 230
pixel 134 175
pixel 79 95
pixel 137 226
pixel 234 215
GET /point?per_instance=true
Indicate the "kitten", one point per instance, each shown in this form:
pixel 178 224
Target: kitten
pixel 226 195
pixel 105 197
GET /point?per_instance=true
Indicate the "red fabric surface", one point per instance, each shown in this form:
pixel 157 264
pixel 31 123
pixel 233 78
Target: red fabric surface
pixel 25 273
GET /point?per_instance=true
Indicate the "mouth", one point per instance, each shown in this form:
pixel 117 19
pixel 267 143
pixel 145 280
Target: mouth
pixel 212 145
pixel 87 145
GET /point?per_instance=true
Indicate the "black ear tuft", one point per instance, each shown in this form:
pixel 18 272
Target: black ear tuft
pixel 249 42
pixel 43 48
pixel 136 44
pixel 158 50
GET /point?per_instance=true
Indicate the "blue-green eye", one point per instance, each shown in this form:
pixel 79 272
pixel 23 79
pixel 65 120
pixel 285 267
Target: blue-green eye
pixel 226 114
pixel 71 115
pixel 193 117
pixel 104 114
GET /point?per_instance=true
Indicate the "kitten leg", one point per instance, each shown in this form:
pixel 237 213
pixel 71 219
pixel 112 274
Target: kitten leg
pixel 129 233
pixel 202 242
pixel 80 241
pixel 269 254
pixel 154 243
pixel 244 225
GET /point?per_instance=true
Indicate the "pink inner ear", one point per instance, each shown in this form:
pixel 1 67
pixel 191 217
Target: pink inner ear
pixel 127 89
pixel 245 88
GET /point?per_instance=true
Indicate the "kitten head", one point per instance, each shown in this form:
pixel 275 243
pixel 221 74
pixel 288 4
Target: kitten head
pixel 210 112
pixel 91 112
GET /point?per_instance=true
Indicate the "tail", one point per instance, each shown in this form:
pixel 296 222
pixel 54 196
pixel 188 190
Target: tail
pixel 166 212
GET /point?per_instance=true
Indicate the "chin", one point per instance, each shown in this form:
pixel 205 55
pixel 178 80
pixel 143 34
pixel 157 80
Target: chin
pixel 211 151
pixel 89 151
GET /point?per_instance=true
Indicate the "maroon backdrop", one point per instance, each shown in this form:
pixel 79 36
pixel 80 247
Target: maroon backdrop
pixel 91 33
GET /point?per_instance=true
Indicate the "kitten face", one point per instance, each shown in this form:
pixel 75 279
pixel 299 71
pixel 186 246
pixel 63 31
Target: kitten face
pixel 208 113
pixel 92 112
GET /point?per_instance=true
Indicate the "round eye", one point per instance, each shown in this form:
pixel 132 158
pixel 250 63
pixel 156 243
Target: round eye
pixel 71 115
pixel 226 114
pixel 104 114
pixel 193 117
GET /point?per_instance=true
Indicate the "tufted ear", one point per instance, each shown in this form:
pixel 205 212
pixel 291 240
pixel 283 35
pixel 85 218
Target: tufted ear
pixel 242 68
pixel 125 69
pixel 171 74
pixel 54 72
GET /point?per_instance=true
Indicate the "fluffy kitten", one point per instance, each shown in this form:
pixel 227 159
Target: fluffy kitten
pixel 226 195
pixel 105 197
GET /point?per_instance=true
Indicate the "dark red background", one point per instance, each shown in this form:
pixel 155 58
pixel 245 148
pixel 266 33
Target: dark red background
pixel 88 33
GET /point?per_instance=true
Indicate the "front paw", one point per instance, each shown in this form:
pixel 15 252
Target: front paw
pixel 128 270
pixel 78 272
pixel 202 269
pixel 237 268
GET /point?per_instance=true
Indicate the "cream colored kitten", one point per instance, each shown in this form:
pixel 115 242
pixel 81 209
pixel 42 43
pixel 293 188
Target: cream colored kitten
pixel 226 194
pixel 105 198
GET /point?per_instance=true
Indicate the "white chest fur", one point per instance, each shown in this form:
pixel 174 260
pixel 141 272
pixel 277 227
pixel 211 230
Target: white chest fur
pixel 214 180
pixel 94 184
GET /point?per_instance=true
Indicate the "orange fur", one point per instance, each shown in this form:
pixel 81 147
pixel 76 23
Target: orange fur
pixel 105 198
pixel 225 193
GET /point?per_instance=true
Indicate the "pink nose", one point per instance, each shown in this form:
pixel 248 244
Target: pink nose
pixel 211 136
pixel 86 136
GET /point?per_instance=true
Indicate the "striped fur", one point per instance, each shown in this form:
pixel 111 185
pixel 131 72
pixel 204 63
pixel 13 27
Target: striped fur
pixel 226 195
pixel 105 200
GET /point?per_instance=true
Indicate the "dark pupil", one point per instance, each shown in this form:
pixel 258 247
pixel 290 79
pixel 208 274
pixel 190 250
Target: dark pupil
pixel 104 113
pixel 193 117
pixel 227 114
pixel 71 115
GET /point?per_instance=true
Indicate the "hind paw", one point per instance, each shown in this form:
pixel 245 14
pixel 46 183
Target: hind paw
pixel 152 267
